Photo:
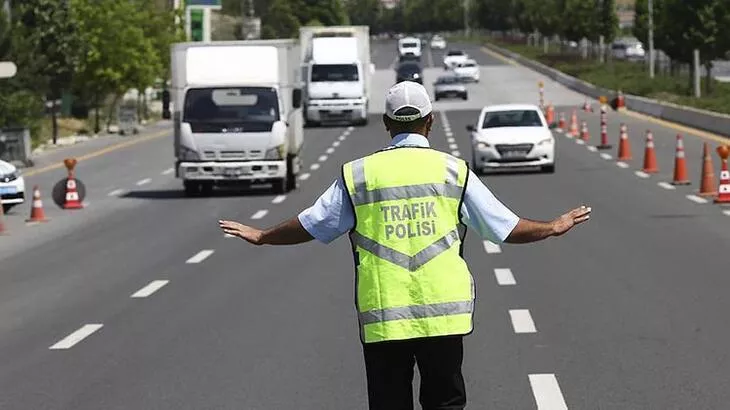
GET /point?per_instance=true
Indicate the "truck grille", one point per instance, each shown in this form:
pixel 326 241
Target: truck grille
pixel 211 155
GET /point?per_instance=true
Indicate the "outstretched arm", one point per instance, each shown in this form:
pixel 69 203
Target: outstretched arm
pixel 527 231
pixel 290 232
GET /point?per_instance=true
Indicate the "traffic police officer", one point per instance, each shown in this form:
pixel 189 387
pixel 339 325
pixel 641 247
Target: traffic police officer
pixel 406 208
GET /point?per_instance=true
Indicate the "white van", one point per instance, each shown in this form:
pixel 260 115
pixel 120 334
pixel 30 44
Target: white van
pixel 409 47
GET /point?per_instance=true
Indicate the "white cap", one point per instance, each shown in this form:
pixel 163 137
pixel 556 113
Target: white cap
pixel 407 101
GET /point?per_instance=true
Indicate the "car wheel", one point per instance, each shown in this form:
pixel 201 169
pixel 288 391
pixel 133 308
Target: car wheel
pixel 192 188
pixel 436 98
pixel 279 186
pixel 465 97
pixel 7 207
pixel 548 169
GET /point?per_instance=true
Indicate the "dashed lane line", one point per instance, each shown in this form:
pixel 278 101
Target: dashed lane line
pixel 580 141
pixel 278 199
pixel 456 153
pixel 330 150
pixel 622 164
pixel 726 212
pixel 592 148
pixel 697 199
pixel 522 321
pixel 260 214
pixel 342 137
pixel 453 146
pixel 151 288
pixel 200 256
pixel 117 192
pixel 350 128
pixel 314 166
pixel 491 247
pixel 168 171
pixel 605 156
pixel 546 390
pixel 666 185
pixel 305 176
pixel 641 174
pixel 71 340
pixel 450 140
pixel 322 158
pixel 504 277
pixel 336 144
pixel 144 181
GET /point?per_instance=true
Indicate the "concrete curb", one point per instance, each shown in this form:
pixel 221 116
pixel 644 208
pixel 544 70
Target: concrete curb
pixel 701 119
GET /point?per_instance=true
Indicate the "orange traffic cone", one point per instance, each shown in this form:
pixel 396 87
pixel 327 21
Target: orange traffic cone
pixel 587 106
pixel 624 146
pixel 723 192
pixel 680 164
pixel 561 123
pixel 36 210
pixel 574 125
pixel 584 135
pixel 72 195
pixel 707 184
pixel 650 163
pixel 550 114
pixel 620 101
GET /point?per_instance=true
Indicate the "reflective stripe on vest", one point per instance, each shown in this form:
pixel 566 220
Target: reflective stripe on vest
pixel 412 282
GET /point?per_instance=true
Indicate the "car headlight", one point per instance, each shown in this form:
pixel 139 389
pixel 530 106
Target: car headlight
pixel 187 154
pixel 11 176
pixel 483 145
pixel 276 152
pixel 546 141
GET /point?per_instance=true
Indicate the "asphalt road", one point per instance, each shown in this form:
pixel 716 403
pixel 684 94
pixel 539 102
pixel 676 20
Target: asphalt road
pixel 627 312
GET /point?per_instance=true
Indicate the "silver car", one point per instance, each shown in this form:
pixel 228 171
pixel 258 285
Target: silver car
pixel 449 86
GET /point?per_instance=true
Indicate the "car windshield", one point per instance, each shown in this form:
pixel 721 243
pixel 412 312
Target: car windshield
pixel 455 53
pixel 467 65
pixel 254 109
pixel 334 72
pixel 409 45
pixel 448 80
pixel 512 118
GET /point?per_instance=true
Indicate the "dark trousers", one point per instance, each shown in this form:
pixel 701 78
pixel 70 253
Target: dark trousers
pixel 389 368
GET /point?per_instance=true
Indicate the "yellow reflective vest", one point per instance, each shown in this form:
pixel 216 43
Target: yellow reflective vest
pixel 411 280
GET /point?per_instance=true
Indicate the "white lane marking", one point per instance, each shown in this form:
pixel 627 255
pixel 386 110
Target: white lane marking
pixel 622 164
pixel 641 174
pixel 522 321
pixel 305 176
pixel 278 199
pixel 200 256
pixel 726 212
pixel 447 128
pixel 696 199
pixel 450 140
pixel 350 129
pixel 547 392
pixel 342 137
pixel 260 214
pixel 336 144
pixel 666 185
pixel 504 277
pixel 492 247
pixel 168 171
pixel 322 158
pixel 559 130
pixel 449 134
pixel 330 150
pixel 82 333
pixel 117 192
pixel 144 181
pixel 453 146
pixel 456 153
pixel 591 148
pixel 314 166
pixel 607 157
pixel 151 288
pixel 580 141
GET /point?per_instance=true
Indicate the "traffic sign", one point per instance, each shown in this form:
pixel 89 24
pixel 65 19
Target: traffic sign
pixel 8 69
pixel 212 4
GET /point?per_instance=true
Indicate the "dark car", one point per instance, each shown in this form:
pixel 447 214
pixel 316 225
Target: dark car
pixel 409 72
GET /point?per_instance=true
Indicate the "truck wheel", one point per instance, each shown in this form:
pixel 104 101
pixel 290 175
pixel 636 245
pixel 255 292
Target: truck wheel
pixel 291 178
pixel 279 186
pixel 192 188
pixel 206 188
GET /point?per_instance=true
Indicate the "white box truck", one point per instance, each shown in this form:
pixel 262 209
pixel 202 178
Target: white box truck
pixel 337 72
pixel 237 113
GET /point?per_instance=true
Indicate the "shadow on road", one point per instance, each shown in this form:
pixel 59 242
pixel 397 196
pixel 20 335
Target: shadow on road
pixel 180 194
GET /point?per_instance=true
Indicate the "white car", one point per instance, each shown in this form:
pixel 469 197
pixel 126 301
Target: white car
pixel 453 58
pixel 511 136
pixel 438 43
pixel 12 186
pixel 468 71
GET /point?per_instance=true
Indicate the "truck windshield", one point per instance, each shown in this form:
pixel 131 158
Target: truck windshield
pixel 254 109
pixel 334 72
pixel 409 45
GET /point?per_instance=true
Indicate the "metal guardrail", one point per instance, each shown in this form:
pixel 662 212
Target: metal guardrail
pixel 701 119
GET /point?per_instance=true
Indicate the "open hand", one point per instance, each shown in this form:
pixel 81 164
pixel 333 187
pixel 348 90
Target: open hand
pixel 247 233
pixel 566 222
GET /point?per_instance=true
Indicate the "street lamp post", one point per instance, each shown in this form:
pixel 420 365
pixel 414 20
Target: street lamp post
pixel 651 38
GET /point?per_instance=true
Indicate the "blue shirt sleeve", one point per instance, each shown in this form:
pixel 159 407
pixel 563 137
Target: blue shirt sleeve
pixel 331 215
pixel 484 213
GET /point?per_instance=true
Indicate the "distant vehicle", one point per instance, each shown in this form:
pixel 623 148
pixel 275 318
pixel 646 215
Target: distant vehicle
pixel 409 47
pixel 628 50
pixel 509 136
pixel 454 57
pixel 467 71
pixel 449 86
pixel 409 71
pixel 438 43
pixel 12 186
